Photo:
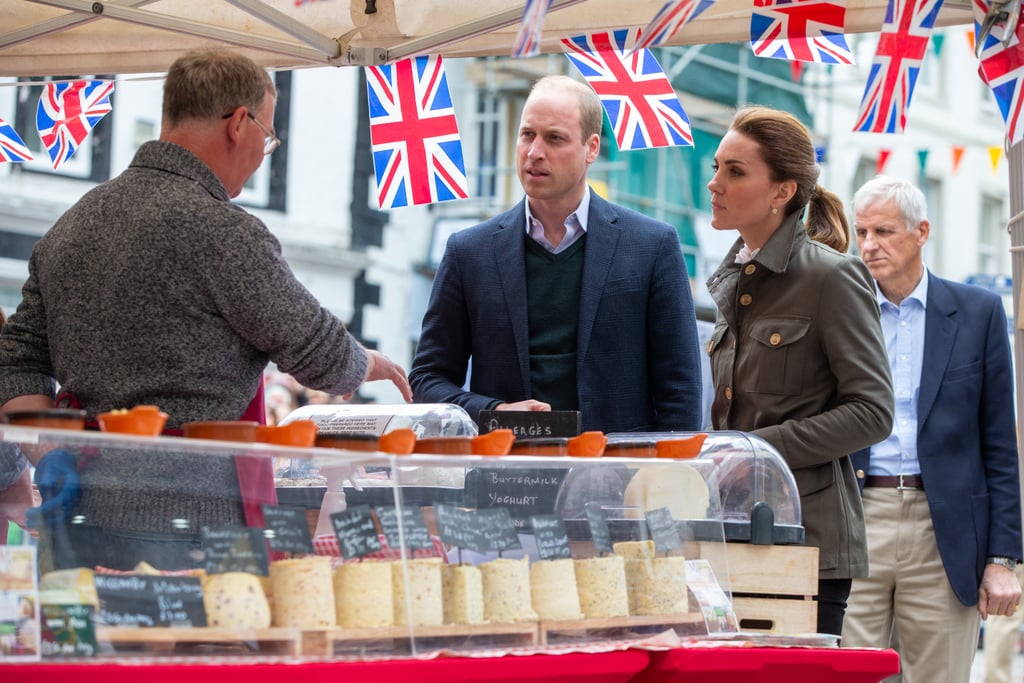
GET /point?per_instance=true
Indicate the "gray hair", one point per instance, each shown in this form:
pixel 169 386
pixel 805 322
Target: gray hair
pixel 908 198
pixel 208 83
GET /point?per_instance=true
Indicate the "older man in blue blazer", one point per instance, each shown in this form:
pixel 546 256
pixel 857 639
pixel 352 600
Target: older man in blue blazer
pixel 941 494
pixel 565 302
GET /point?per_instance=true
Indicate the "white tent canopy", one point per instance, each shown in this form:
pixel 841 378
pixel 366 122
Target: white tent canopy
pixel 72 37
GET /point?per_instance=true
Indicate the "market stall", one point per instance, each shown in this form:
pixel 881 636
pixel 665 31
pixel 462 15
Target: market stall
pixel 478 566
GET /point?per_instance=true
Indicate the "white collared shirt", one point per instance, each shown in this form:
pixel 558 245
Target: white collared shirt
pixel 575 225
pixel 903 326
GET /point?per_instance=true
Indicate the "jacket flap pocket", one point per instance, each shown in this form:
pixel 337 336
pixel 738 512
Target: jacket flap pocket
pixel 778 332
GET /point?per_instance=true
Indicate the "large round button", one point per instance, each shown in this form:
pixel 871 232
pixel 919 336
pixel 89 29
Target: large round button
pixel 775 339
pixel 749 269
pixel 728 393
pixel 745 300
pixel 860 474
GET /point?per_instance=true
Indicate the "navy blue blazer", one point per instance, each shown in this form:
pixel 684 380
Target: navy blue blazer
pixel 637 366
pixel 966 437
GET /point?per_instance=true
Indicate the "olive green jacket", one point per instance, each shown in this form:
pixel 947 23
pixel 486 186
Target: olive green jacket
pixel 798 359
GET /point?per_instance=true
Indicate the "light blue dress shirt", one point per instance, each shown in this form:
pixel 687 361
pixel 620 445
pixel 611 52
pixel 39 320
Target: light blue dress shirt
pixel 575 225
pixel 903 326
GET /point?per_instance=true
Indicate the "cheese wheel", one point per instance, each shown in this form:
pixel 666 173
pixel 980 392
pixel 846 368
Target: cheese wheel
pixel 362 595
pixel 678 487
pixel 303 593
pixel 69 587
pixel 424 606
pixel 507 591
pixel 553 592
pixel 601 583
pixel 235 600
pixel 463 594
pixel 656 585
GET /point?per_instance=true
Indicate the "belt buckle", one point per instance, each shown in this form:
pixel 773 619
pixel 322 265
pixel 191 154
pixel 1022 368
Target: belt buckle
pixel 901 487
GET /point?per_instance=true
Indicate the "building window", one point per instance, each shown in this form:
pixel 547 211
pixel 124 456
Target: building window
pixel 489 110
pixel 991 231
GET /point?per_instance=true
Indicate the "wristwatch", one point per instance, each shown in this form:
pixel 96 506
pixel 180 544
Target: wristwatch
pixel 1007 562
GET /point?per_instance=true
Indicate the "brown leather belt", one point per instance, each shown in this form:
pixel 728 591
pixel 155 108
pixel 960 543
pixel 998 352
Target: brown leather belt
pixel 896 481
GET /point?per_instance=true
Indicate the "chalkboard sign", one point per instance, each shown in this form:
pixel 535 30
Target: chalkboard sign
pixel 496 531
pixel 531 424
pixel 137 600
pixel 455 527
pixel 234 549
pixel 287 530
pixel 551 537
pixel 599 532
pixel 663 529
pixel 356 532
pixel 414 528
pixel 67 631
pixel 523 492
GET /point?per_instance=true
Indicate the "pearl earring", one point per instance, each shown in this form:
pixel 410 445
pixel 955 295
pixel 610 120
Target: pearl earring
pixel 775 210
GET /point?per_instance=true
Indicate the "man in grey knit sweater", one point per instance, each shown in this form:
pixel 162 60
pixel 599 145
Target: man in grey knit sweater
pixel 155 289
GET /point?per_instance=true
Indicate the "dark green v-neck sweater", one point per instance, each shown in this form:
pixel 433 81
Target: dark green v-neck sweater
pixel 553 284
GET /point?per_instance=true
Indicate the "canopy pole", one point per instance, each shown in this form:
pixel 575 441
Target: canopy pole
pixel 1015 157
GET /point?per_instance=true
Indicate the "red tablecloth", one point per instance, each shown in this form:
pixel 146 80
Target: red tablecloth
pixel 769 665
pixel 682 665
pixel 605 667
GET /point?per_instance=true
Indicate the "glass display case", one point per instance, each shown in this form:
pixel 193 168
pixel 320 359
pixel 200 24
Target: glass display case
pixel 759 500
pixel 158 546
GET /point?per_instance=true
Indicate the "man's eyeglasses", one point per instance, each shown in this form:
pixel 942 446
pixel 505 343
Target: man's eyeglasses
pixel 270 142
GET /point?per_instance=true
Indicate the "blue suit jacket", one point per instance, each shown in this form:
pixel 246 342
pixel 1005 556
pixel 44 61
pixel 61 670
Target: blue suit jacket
pixel 966 439
pixel 637 362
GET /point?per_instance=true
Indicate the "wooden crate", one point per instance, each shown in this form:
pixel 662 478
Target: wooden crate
pixel 773 586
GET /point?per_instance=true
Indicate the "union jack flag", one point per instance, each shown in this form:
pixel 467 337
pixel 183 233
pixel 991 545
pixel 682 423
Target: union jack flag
pixel 1002 68
pixel 800 30
pixel 898 57
pixel 528 39
pixel 67 113
pixel 670 18
pixel 641 104
pixel 12 147
pixel 417 152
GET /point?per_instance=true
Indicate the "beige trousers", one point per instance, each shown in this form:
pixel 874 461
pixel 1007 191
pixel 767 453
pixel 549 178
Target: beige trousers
pixel 908 589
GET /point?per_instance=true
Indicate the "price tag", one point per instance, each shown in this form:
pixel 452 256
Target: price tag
pixel 136 600
pixel 455 527
pixel 551 537
pixel 414 529
pixel 356 532
pixel 287 530
pixel 495 530
pixel 663 530
pixel 234 549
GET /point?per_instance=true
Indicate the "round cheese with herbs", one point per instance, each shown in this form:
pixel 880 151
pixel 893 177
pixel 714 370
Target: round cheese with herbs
pixel 656 585
pixel 463 589
pixel 507 591
pixel 362 595
pixel 553 592
pixel 303 592
pixel 601 583
pixel 235 600
pixel 422 603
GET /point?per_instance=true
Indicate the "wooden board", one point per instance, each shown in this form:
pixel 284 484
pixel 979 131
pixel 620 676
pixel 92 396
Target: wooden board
pixel 549 628
pixel 166 639
pixel 765 569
